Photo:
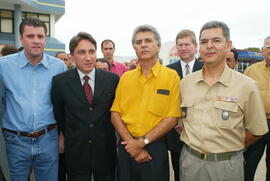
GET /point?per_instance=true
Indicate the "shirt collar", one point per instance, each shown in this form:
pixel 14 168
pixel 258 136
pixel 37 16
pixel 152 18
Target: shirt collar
pixel 91 75
pixel 191 63
pixel 224 79
pixel 154 69
pixel 24 61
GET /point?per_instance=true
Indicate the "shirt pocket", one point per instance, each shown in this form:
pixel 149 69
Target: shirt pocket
pixel 187 107
pixel 159 104
pixel 226 114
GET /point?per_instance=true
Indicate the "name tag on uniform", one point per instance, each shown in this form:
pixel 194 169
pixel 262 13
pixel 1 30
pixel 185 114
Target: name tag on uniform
pixel 163 91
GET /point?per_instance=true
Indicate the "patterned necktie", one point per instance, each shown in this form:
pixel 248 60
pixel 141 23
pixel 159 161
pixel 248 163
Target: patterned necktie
pixel 187 69
pixel 87 89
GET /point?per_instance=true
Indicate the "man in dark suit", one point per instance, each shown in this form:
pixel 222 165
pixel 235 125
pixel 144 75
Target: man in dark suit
pixel 4 171
pixel 186 46
pixel 82 98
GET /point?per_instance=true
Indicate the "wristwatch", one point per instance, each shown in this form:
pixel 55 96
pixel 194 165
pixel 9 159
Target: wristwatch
pixel 145 140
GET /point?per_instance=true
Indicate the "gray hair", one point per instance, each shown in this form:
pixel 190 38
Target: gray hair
pixel 265 40
pixel 144 28
pixel 217 24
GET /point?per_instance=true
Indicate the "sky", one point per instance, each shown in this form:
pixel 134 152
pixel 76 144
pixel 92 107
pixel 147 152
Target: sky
pixel 248 20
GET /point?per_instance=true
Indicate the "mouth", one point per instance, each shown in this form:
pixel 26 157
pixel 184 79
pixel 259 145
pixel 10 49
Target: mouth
pixel 210 54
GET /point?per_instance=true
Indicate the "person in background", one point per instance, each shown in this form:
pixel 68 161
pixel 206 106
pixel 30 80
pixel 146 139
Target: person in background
pixel 65 57
pixel 8 49
pixel 232 59
pixel 108 48
pixel 260 72
pixel 186 46
pixel 103 64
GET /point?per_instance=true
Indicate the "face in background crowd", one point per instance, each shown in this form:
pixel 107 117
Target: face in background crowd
pixel 186 49
pixel 33 40
pixel 84 56
pixel 102 65
pixel 230 60
pixel 145 46
pixel 108 50
pixel 214 46
pixel 266 51
pixel 67 60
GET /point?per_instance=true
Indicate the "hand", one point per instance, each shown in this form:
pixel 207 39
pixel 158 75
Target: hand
pixel 143 157
pixel 133 146
pixel 61 143
pixel 179 128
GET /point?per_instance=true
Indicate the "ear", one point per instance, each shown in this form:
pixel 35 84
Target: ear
pixel 229 43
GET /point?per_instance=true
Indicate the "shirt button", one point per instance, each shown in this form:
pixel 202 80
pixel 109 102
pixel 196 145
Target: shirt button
pixel 90 109
pixel 90 141
pixel 91 125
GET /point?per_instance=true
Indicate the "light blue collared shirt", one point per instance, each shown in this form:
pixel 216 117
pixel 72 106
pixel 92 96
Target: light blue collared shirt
pixel 27 90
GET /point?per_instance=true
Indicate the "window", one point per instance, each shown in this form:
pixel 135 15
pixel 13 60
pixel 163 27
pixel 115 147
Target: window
pixel 6 21
pixel 42 17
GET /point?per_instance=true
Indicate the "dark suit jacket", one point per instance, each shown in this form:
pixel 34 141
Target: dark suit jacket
pixel 177 66
pixel 3 155
pixel 90 141
pixel 172 137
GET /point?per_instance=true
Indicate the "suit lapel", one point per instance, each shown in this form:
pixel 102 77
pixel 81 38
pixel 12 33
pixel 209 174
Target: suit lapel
pixel 99 85
pixel 196 66
pixel 179 67
pixel 76 85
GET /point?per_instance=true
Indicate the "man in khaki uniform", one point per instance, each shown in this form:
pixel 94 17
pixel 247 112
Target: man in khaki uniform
pixel 218 113
pixel 260 72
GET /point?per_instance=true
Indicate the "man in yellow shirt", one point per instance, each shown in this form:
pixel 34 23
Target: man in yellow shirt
pixel 260 72
pixel 145 108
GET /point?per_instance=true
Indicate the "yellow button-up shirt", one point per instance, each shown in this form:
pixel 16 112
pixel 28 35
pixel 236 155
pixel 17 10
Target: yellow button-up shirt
pixel 143 102
pixel 260 72
pixel 216 118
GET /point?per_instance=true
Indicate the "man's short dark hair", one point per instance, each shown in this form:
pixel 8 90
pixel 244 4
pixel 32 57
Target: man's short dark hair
pixel 235 54
pixel 217 24
pixel 59 53
pixel 145 28
pixel 9 49
pixel 107 40
pixel 103 60
pixel 80 36
pixel 32 22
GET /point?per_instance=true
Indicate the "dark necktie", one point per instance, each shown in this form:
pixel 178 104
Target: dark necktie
pixel 87 89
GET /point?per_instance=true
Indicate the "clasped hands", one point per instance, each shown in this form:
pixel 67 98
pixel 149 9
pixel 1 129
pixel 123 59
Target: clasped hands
pixel 135 147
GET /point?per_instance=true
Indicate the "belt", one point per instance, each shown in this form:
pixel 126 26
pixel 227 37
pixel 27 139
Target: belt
pixel 212 156
pixel 32 134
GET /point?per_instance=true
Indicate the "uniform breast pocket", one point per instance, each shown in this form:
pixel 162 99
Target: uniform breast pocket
pixel 187 106
pixel 227 114
pixel 159 104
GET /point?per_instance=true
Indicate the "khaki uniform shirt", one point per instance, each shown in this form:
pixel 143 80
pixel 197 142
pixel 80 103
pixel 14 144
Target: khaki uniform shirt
pixel 260 72
pixel 215 118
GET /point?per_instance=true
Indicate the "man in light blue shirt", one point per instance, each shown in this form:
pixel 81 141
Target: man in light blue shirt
pixel 29 126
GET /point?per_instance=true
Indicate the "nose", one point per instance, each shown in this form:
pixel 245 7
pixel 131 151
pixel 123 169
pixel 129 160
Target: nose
pixel 36 39
pixel 209 44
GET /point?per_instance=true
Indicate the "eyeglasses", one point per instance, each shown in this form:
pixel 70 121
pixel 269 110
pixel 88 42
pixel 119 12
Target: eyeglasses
pixel 266 46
